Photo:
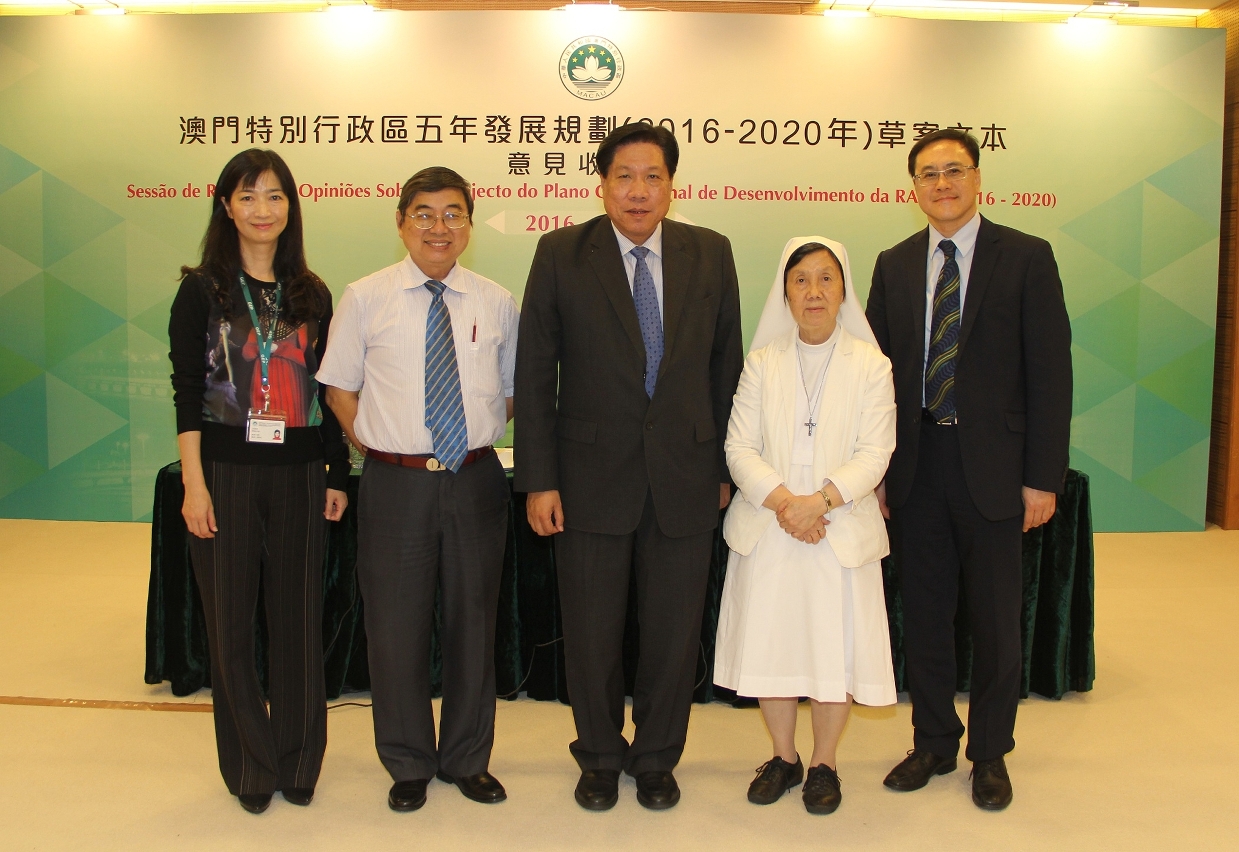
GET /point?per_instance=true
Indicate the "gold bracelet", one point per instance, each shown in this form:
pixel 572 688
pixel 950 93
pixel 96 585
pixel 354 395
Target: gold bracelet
pixel 826 497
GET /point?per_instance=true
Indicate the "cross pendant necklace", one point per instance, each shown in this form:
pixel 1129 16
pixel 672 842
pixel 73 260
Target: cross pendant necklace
pixel 816 398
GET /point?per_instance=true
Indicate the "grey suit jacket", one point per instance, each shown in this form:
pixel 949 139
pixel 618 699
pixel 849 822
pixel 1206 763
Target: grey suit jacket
pixel 583 422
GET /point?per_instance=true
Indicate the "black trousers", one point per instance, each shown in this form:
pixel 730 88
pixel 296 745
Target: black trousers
pixel 418 531
pixel 942 540
pixel 671 574
pixel 271 525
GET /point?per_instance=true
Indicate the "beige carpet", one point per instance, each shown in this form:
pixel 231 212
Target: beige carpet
pixel 1145 761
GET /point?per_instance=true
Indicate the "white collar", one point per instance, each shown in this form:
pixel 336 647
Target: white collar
pixel 654 243
pixel 416 277
pixel 965 238
pixel 828 342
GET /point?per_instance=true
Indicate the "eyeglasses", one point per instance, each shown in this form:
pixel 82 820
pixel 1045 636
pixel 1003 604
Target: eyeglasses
pixel 954 174
pixel 426 221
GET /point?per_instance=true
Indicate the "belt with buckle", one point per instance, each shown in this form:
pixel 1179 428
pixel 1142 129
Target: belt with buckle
pixel 928 415
pixel 427 462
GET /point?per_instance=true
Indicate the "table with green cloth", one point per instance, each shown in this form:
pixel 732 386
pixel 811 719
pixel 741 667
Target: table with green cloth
pixel 1057 620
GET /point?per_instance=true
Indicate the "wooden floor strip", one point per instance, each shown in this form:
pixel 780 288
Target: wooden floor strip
pixel 95 704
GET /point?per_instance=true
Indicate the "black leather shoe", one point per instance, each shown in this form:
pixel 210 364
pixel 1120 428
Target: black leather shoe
pixel 483 787
pixel 657 790
pixel 255 803
pixel 598 789
pixel 915 770
pixel 407 795
pixel 991 785
pixel 298 795
pixel 822 793
pixel 774 778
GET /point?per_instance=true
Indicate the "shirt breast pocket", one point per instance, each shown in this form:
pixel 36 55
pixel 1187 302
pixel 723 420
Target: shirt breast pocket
pixel 483 354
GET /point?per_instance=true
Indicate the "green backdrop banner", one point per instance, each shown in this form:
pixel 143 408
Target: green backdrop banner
pixel 1104 140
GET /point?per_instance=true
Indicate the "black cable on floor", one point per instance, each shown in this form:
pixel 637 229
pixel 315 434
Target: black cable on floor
pixel 350 704
pixel 529 670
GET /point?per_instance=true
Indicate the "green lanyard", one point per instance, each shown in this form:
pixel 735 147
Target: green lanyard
pixel 265 345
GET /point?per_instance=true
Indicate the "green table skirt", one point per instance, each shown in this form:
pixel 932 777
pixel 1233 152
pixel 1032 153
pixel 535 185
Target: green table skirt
pixel 1057 618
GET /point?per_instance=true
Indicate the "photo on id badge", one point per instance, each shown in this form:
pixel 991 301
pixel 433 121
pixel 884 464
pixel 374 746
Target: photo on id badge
pixel 265 427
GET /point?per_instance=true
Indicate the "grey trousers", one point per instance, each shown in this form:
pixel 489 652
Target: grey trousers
pixel 419 531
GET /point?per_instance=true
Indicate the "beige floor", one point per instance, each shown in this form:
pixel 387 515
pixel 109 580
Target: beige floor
pixel 1147 760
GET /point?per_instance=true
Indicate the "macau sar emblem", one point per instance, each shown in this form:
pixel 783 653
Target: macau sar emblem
pixel 591 68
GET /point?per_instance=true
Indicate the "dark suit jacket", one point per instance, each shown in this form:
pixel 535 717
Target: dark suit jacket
pixel 1012 375
pixel 584 424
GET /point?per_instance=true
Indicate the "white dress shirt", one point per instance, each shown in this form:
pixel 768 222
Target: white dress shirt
pixel 653 260
pixel 965 240
pixel 377 346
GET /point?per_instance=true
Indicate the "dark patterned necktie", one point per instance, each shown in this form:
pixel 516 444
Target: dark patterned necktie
pixel 943 340
pixel 646 298
pixel 445 407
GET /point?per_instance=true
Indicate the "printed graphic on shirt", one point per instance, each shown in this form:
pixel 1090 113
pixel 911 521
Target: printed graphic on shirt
pixel 234 371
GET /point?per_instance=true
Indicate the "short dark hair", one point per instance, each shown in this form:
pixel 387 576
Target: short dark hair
pixel 947 134
pixel 800 254
pixel 630 134
pixel 434 179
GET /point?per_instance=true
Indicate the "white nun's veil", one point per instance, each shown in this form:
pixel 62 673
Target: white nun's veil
pixel 776 317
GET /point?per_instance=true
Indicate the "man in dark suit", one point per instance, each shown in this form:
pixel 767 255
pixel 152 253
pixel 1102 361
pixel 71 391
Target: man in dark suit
pixel 972 316
pixel 630 353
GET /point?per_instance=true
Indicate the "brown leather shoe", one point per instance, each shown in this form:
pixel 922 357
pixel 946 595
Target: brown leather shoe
pixel 915 770
pixel 774 778
pixel 598 789
pixel 407 795
pixel 483 787
pixel 657 790
pixel 991 785
pixel 822 792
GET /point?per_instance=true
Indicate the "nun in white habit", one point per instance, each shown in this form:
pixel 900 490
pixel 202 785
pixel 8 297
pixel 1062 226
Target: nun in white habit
pixel 811 432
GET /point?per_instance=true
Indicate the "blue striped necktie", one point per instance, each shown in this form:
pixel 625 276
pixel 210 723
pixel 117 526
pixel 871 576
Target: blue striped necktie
pixel 943 340
pixel 445 408
pixel 646 298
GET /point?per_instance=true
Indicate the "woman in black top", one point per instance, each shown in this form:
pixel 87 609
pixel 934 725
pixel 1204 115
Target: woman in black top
pixel 264 467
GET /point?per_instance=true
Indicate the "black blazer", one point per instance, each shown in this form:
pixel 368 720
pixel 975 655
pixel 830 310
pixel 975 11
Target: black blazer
pixel 1012 376
pixel 583 422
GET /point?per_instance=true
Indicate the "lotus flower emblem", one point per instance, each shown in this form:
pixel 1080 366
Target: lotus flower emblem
pixel 591 68
pixel 591 71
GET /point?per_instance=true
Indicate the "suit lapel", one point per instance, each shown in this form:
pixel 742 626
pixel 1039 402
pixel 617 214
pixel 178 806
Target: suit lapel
pixel 677 267
pixel 916 261
pixel 984 260
pixel 609 267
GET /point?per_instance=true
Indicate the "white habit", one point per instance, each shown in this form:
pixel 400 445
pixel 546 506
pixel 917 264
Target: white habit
pixel 808 619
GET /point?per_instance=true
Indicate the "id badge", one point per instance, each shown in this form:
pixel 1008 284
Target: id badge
pixel 265 427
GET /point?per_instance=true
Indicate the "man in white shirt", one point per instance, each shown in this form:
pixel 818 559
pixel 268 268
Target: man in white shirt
pixel 419 369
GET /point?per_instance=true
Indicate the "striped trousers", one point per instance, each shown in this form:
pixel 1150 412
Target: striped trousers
pixel 271 526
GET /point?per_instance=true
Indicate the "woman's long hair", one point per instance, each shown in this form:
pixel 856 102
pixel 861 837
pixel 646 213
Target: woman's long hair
pixel 305 294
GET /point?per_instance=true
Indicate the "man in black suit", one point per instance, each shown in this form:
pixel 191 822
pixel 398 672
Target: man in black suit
pixel 972 316
pixel 630 353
